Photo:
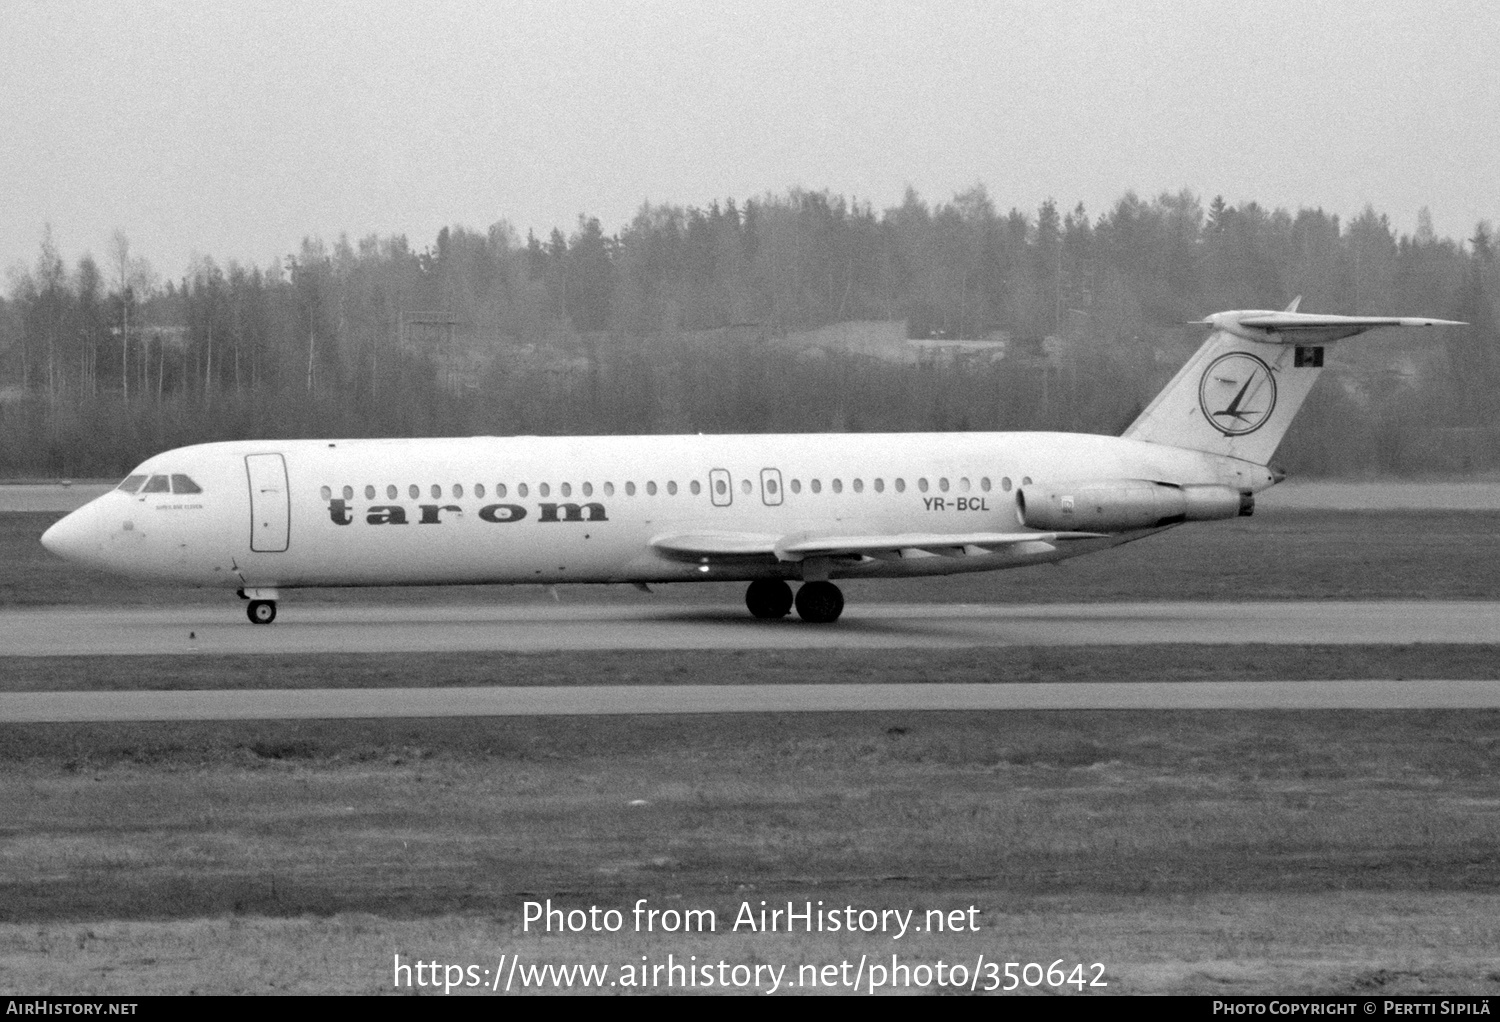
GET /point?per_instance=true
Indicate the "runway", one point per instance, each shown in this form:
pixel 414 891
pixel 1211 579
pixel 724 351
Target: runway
pixel 529 701
pixel 393 628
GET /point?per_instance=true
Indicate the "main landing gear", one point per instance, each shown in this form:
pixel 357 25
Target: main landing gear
pixel 769 598
pixel 816 602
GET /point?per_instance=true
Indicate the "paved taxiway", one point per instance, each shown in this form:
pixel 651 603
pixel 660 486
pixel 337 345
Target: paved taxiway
pixel 394 628
pixel 528 701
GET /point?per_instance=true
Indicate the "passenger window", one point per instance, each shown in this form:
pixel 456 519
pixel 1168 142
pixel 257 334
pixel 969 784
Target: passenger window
pixel 879 485
pixel 521 490
pixel 859 486
pixel 567 489
pixel 900 485
pixel 609 489
pixel 771 486
pixel 651 488
pixel 415 491
pixel 721 487
pixel 588 489
pixel 1005 484
pixel 348 493
pixel 133 483
pixel 391 491
pixel 963 485
pixel 817 486
pixel 158 484
pixel 479 490
pixel 325 493
pixel 745 486
pixel 500 490
pixel 984 484
pixel 182 484
pixel 696 487
pixel 437 492
pixel 369 492
pixel 671 488
pixel 544 489
pixel 838 486
pixel 922 484
pixel 1026 480
pixel 458 490
pixel 943 484
pixel 796 485
pixel 630 489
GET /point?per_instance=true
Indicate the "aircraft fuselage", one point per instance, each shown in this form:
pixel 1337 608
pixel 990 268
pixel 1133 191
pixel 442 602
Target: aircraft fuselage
pixel 285 514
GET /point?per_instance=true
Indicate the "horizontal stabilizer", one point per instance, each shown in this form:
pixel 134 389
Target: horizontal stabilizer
pixel 1309 327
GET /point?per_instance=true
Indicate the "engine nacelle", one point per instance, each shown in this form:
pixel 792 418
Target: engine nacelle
pixel 1118 505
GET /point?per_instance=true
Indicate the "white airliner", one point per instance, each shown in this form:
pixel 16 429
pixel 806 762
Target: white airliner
pixel 262 516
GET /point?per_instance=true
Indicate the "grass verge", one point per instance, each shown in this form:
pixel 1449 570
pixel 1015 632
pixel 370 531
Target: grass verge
pixel 411 818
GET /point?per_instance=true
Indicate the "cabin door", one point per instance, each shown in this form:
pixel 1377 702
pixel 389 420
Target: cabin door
pixel 270 503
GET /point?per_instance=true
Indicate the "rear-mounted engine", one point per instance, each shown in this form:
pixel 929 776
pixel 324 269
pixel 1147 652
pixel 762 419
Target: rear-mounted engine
pixel 1118 505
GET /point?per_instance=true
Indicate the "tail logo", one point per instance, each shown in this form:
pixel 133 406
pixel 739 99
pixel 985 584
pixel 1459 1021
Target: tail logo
pixel 1237 393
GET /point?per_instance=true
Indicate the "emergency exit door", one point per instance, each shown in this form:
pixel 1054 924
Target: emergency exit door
pixel 720 487
pixel 270 503
pixel 770 486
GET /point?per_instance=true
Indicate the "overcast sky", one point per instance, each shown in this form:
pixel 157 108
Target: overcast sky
pixel 236 129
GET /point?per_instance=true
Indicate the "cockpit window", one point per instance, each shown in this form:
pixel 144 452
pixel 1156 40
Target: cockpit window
pixel 158 484
pixel 131 483
pixel 182 484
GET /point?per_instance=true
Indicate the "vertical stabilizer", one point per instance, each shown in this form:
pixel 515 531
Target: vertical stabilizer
pixel 1238 394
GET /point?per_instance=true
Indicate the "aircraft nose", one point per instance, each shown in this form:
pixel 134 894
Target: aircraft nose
pixel 68 537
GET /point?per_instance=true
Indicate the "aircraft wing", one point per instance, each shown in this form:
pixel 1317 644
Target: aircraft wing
pixel 801 546
pixel 947 543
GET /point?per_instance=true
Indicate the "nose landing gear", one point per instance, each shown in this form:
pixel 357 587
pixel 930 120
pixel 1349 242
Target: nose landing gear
pixel 262 608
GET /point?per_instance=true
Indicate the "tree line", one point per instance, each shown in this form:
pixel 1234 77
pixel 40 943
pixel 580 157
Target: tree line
pixel 672 323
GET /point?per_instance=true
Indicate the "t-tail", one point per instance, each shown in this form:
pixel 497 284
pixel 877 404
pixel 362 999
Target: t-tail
pixel 1238 395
